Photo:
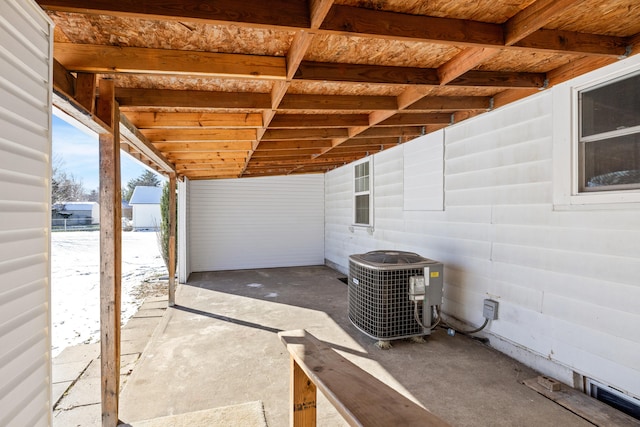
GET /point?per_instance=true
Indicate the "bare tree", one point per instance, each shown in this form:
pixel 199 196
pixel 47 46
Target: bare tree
pixel 65 187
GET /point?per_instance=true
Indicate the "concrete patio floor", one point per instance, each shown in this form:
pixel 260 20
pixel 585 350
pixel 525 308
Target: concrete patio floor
pixel 219 347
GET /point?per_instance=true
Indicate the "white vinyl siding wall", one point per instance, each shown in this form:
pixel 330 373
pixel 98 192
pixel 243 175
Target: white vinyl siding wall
pixel 25 144
pixel 567 281
pixel 256 222
pixel 146 216
pixel 184 265
pixel 423 180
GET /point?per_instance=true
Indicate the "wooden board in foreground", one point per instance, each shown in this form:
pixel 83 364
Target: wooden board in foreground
pixel 360 398
pixel 583 405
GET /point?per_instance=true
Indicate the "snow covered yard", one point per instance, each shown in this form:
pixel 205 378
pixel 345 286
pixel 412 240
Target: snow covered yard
pixel 75 282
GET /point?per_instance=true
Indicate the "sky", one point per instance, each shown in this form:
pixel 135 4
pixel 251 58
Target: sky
pixel 78 149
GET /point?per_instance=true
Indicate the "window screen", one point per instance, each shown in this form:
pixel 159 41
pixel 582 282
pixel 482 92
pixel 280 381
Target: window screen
pixel 609 145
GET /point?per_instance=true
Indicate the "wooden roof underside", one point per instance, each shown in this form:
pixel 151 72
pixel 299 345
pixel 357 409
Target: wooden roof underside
pixel 225 89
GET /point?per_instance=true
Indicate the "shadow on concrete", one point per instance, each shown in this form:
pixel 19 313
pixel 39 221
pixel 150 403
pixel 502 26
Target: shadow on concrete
pixel 219 347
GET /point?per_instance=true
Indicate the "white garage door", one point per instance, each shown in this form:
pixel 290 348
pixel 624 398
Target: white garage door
pixel 25 144
pixel 256 222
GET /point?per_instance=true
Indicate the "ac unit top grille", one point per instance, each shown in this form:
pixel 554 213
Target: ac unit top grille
pixel 391 260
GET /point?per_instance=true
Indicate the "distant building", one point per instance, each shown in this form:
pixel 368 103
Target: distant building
pixel 76 213
pixel 127 210
pixel 145 202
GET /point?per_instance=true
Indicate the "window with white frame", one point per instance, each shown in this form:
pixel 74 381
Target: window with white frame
pixel 362 195
pixel 608 152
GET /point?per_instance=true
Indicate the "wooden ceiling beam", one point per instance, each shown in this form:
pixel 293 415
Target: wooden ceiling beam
pixel 297 50
pixel 144 146
pixel 256 12
pixel 108 59
pixel 524 23
pixel 575 43
pixel 299 162
pixel 202 146
pixel 285 153
pixel 499 79
pixel 372 141
pixel 66 88
pixel 64 92
pixel 318 11
pixel 577 68
pixel 358 73
pixel 305 157
pixel 219 162
pixel 382 132
pixel 633 44
pixel 352 149
pixel 296 121
pixel 185 135
pixel 356 152
pixel 302 134
pixel 87 58
pixel 466 60
pixel 503 98
pixel 451 103
pixel 366 22
pixel 408 96
pixel 85 92
pixel 273 172
pixel 338 102
pixel 343 19
pixel 63 80
pixel 288 165
pixel 316 168
pixel 416 119
pixel 532 18
pixel 378 74
pixel 181 168
pixel 271 167
pixel 295 55
pixel 194 175
pixel 288 145
pixel 191 99
pixel 157 120
pixel 185 157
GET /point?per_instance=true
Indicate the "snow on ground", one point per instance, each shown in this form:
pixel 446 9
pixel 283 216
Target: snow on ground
pixel 75 282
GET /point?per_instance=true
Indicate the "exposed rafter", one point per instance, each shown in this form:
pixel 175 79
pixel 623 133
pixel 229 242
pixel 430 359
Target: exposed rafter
pixel 232 88
pixel 355 20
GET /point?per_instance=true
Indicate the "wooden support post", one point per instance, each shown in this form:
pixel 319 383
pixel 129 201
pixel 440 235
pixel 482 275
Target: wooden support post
pixel 303 398
pixel 172 239
pixel 110 254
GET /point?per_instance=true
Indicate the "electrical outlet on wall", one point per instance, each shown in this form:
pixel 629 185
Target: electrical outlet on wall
pixel 490 309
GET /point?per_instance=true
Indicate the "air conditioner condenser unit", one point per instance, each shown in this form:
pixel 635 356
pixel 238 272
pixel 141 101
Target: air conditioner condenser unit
pixel 387 287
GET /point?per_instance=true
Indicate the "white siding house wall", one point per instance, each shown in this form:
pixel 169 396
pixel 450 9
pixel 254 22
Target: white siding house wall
pixel 184 266
pixel 566 279
pixel 25 214
pixel 146 216
pixel 256 222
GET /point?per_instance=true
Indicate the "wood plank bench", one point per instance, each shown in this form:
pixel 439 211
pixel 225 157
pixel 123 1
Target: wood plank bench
pixel 360 398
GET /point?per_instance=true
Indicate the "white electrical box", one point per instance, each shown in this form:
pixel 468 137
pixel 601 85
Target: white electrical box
pixel 417 288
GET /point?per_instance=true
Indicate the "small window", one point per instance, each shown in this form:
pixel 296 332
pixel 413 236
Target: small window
pixel 363 199
pixel 609 136
pixel 612 397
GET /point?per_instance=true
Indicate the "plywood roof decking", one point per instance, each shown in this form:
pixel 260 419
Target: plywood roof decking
pixel 225 89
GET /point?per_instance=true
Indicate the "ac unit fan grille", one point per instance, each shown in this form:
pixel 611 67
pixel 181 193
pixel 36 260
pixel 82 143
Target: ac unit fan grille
pixel 378 301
